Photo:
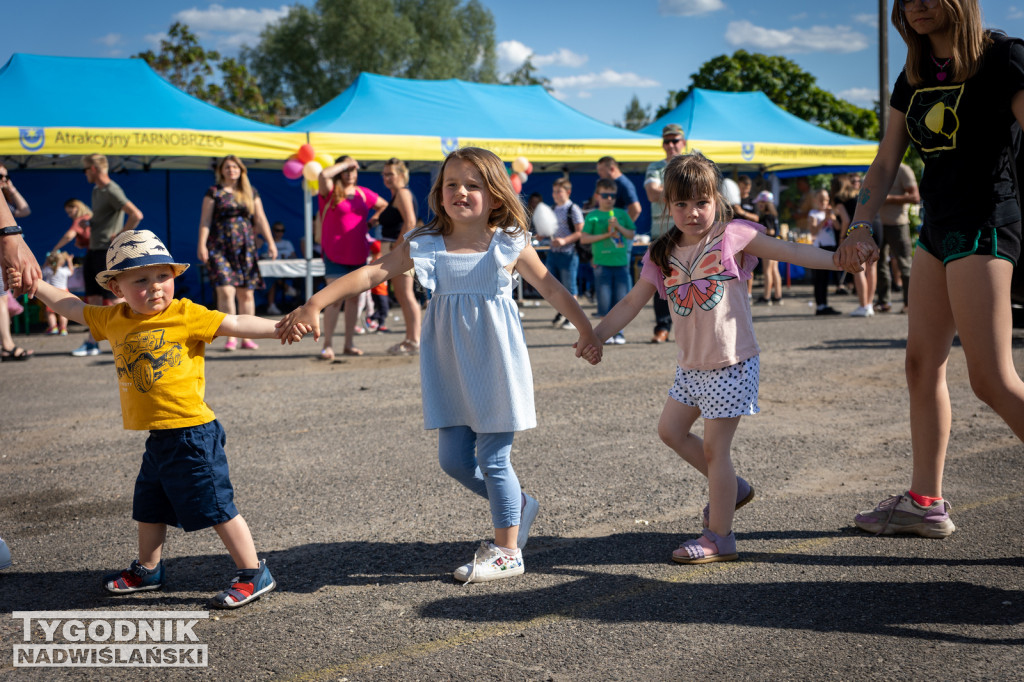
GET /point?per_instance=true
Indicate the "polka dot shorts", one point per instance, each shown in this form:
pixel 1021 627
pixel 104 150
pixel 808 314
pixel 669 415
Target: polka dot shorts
pixel 720 393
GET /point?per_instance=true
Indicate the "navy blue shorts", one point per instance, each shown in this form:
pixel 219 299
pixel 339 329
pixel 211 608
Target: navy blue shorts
pixel 184 480
pixel 335 270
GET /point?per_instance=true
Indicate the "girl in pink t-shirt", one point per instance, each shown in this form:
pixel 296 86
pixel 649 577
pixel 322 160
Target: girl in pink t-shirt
pixel 701 266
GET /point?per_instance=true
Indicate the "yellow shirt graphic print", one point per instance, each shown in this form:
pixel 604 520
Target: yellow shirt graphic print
pixel 932 119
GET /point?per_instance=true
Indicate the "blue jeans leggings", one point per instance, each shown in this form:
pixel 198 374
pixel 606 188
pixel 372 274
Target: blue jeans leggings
pixel 482 463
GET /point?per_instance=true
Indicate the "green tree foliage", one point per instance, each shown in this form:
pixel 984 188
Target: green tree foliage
pixel 196 70
pixel 313 53
pixel 527 75
pixel 636 116
pixel 785 84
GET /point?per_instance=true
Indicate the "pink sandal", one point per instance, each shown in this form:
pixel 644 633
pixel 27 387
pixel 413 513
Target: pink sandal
pixel 230 345
pixel 692 552
pixel 249 344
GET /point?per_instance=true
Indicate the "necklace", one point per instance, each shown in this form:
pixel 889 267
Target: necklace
pixel 941 75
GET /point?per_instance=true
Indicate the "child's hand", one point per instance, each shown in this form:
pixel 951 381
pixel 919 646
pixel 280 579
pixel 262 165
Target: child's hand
pixel 589 347
pixel 296 324
pixel 13 279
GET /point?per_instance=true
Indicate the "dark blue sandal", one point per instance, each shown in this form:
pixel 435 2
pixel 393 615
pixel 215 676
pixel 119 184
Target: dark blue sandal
pixel 250 584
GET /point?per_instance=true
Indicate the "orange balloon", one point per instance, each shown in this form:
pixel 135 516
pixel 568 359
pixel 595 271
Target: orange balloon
pixel 306 153
pixel 517 184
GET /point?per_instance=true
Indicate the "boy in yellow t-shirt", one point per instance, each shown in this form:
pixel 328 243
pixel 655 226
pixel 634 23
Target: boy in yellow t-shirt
pixel 159 344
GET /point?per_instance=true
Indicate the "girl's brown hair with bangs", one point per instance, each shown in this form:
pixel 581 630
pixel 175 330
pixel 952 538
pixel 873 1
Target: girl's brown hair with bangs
pixel 963 19
pixel 509 217
pixel 687 177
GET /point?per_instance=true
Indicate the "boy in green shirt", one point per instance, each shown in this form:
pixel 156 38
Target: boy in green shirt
pixel 609 231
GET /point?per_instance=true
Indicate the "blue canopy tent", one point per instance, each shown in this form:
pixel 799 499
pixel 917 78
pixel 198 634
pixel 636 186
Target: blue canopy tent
pixel 58 108
pixel 379 117
pixel 748 130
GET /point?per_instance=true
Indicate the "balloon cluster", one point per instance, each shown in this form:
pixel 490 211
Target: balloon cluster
pixel 307 164
pixel 521 167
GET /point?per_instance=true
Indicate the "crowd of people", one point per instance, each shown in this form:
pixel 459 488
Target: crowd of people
pixel 708 235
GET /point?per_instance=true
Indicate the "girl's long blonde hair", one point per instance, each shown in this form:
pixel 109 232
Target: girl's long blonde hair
pixel 243 192
pixel 78 208
pixel 509 216
pixel 969 39
pixel 688 177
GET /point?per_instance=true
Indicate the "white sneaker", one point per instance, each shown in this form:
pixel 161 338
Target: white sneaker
pixel 290 292
pixel 527 517
pixel 567 325
pixel 862 311
pixel 86 349
pixel 619 339
pixel 273 310
pixel 490 563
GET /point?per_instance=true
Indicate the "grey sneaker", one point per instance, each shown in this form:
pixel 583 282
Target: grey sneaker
pixel 490 563
pixel 5 555
pixel 901 514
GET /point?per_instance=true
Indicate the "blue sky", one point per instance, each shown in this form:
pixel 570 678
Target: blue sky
pixel 598 54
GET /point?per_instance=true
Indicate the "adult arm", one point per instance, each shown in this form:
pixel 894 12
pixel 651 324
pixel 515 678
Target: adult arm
pixel 133 215
pixel 11 193
pixel 68 236
pixel 877 182
pixel 634 210
pixel 407 209
pixel 328 174
pixel 911 192
pixel 14 253
pixel 259 219
pixel 205 218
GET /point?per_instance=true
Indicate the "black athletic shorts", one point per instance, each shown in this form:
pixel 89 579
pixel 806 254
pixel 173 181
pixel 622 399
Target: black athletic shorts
pixel 949 244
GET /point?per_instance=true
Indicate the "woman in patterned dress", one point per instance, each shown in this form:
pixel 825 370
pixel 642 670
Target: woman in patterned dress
pixel 232 212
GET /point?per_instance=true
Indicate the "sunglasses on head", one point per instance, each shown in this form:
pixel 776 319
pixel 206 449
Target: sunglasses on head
pixel 927 3
pixel 607 195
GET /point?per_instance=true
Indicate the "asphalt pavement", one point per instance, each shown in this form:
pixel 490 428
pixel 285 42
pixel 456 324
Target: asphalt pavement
pixel 340 485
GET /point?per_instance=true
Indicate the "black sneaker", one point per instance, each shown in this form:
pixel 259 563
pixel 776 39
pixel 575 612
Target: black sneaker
pixel 557 322
pixel 827 310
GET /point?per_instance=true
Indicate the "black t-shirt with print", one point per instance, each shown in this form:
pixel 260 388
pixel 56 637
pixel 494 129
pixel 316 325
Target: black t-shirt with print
pixel 966 133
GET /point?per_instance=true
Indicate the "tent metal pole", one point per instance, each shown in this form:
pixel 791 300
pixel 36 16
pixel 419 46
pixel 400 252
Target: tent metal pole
pixel 307 214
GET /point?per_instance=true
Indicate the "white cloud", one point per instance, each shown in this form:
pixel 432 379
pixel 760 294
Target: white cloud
pixel 688 8
pixel 865 97
pixel 867 19
pixel 605 79
pixel 1014 13
pixel 230 27
pixel 110 40
pixel 560 57
pixel 512 54
pixel 811 39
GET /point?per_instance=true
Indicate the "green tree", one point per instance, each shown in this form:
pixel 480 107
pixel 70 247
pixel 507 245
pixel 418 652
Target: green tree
pixel 313 53
pixel 785 84
pixel 192 68
pixel 636 116
pixel 527 75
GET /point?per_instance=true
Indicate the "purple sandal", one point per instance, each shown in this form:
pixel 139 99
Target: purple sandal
pixel 692 552
pixel 744 494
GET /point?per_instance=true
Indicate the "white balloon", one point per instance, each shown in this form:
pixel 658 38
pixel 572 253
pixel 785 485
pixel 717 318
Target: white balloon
pixel 544 220
pixel 311 171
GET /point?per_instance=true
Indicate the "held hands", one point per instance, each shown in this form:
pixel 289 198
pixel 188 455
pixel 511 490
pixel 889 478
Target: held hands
pixel 589 347
pixel 853 254
pixel 12 276
pixel 296 324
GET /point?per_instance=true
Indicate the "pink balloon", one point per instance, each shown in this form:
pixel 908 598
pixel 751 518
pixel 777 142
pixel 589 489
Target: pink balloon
pixel 529 168
pixel 292 169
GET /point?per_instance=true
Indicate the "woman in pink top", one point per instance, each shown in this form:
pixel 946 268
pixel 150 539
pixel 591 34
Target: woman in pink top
pixel 701 265
pixel 344 221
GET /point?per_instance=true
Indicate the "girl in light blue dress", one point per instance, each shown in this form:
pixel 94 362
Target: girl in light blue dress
pixel 476 378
